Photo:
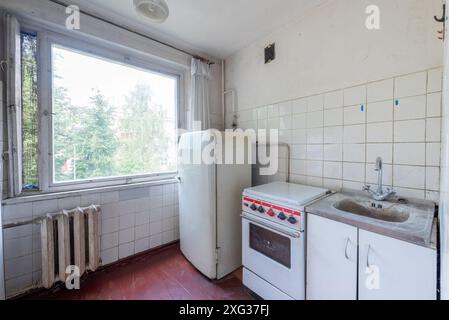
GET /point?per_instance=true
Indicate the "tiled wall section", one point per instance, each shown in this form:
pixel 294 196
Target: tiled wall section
pixel 132 221
pixel 337 136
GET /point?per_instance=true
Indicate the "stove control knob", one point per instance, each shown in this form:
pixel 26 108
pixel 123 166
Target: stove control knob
pixel 261 209
pixel 271 213
pixel 292 220
pixel 253 207
pixel 282 216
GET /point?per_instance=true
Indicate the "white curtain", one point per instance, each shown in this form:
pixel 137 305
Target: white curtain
pixel 199 106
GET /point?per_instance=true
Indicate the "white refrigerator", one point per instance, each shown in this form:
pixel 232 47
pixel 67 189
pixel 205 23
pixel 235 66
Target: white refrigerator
pixel 210 206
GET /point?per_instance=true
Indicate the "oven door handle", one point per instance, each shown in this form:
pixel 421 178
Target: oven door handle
pixel 274 227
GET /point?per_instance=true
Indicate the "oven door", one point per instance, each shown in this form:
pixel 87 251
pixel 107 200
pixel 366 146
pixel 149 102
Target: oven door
pixel 276 254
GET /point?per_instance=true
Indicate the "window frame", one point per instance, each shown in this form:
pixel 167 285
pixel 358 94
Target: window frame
pixel 114 53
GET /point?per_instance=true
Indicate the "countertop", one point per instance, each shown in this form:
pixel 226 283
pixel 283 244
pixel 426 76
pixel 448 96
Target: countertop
pixel 419 229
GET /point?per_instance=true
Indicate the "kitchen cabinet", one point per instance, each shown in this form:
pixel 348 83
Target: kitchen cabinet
pixel 391 269
pixel 347 263
pixel 331 260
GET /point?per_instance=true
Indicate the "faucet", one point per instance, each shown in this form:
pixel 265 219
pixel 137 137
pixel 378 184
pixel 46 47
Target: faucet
pixel 379 194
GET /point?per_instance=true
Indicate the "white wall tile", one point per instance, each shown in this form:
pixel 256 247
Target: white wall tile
pixel 333 152
pixel 354 134
pixel 125 250
pixel 299 136
pixel 156 241
pixel 299 106
pixel 126 236
pixel 285 108
pixel 272 111
pixel 410 131
pixel 354 172
pixel 314 168
pixel 435 80
pixel 354 115
pixel 409 177
pixel 383 150
pixel 299 152
pixel 410 108
pixel 433 178
pixel 433 154
pixel 333 134
pixel 109 241
pixel 411 85
pixel 410 154
pixel 354 152
pixel 285 123
pixel 410 193
pixel 262 113
pixel 380 111
pixel 433 130
pixel 299 121
pixel 315 152
pixel 434 104
pixel 315 119
pixel 381 132
pixel 352 185
pixel 315 103
pixel 380 90
pixel 315 181
pixel 333 184
pixel 333 170
pixel 142 245
pixel 333 117
pixel 109 256
pixel 333 99
pixel 355 95
pixel 315 136
pixel 372 174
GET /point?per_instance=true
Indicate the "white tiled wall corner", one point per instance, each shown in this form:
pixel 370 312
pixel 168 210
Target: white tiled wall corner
pixel 337 136
pixel 132 221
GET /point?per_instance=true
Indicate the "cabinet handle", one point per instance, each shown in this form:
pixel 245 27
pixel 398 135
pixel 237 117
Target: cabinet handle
pixel 348 241
pixel 368 265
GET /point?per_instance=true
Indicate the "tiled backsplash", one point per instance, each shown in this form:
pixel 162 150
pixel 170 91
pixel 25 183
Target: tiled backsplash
pixel 336 136
pixel 132 221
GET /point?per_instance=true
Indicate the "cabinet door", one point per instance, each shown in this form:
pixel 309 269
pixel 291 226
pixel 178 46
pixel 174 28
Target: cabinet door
pixel 391 269
pixel 331 260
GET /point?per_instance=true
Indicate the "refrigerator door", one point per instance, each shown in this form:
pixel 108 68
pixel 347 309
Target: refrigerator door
pixel 197 209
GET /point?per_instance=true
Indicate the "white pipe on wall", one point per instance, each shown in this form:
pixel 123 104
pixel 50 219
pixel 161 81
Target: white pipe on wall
pixel 2 268
pixel 444 192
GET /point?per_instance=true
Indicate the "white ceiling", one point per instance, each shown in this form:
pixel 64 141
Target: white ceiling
pixel 214 27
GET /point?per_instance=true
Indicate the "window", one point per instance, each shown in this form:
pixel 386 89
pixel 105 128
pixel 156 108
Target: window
pixel 110 119
pixel 100 117
pixel 29 111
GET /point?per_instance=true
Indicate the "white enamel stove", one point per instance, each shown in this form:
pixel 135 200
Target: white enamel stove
pixel 274 226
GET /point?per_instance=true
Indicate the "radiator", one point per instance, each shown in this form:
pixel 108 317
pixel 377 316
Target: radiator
pixel 69 238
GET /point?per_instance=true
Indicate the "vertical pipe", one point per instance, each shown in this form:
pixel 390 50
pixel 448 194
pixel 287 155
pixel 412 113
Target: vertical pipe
pixel 444 195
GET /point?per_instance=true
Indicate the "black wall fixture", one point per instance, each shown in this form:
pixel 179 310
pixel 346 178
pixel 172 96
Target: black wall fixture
pixel 270 53
pixel 443 21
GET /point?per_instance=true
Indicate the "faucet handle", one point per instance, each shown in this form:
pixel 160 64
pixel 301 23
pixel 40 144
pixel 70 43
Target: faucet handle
pixel 366 188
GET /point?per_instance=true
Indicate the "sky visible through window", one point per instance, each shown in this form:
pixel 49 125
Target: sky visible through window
pixel 110 119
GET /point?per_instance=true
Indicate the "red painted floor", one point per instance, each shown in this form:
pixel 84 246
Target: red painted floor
pixel 161 275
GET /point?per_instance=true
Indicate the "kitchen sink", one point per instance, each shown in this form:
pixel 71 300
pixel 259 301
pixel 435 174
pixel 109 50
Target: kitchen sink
pixel 371 210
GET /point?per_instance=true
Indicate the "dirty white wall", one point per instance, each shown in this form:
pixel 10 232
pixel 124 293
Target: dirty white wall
pixel 341 94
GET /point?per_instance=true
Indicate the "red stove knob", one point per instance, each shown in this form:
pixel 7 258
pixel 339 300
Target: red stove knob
pixel 271 213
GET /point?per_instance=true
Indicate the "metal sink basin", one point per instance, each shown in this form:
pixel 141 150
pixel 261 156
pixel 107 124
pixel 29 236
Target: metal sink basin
pixel 391 214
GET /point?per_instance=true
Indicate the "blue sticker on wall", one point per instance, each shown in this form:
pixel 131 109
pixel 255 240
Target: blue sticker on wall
pixel 362 108
pixel 396 103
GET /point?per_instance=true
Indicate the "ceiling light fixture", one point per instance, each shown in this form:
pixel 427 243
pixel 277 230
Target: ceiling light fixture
pixel 155 10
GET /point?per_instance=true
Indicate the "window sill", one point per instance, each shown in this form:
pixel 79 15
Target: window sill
pixel 74 193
